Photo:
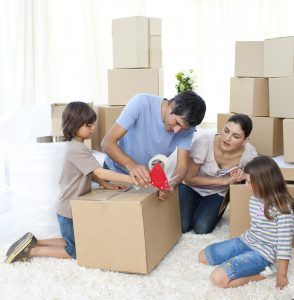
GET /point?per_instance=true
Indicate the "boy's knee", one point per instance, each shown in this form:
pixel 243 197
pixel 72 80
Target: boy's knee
pixel 219 278
pixel 201 258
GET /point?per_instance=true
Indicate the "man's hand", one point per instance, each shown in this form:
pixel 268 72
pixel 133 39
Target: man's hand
pixel 281 281
pixel 139 174
pixel 164 194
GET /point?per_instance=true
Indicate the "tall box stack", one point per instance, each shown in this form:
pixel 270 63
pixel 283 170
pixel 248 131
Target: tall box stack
pixel 249 94
pixel 137 59
pixel 279 67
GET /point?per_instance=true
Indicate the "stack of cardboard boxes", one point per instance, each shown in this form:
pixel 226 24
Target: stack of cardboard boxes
pixel 263 89
pixel 137 59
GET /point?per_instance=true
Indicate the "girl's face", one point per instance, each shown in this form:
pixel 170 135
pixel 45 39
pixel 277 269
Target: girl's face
pixel 248 183
pixel 85 132
pixel 232 137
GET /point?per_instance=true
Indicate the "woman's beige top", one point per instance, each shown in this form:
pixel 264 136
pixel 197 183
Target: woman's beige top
pixel 202 153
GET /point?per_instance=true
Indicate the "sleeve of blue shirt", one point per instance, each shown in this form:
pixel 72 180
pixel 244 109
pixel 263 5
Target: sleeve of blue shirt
pixel 131 112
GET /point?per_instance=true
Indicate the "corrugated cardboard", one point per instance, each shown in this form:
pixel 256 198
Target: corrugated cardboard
pixel 288 137
pixel 266 135
pixel 249 96
pixel 125 83
pixel 249 59
pixel 281 97
pixel 222 120
pixel 239 209
pixel 125 231
pixel 107 115
pixel 56 121
pixel 279 57
pixel 155 52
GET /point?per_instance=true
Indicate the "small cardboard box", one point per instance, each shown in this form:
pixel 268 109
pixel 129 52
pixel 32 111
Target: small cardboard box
pixel 239 209
pixel 279 57
pixel 131 38
pixel 288 130
pixel 249 96
pixel 107 115
pixel 249 59
pixel 155 52
pixel 266 135
pixel 281 97
pixel 222 119
pixel 127 231
pixel 125 83
pixel 56 121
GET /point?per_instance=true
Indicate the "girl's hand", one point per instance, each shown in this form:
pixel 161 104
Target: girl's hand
pixel 111 186
pixel 281 281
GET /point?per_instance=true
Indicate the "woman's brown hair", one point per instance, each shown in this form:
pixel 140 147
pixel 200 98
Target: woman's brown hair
pixel 75 115
pixel 267 183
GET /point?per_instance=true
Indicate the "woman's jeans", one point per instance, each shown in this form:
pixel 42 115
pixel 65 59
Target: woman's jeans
pixel 199 212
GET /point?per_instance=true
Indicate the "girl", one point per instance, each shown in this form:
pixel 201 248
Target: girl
pixel 270 235
pixel 80 167
pixel 210 173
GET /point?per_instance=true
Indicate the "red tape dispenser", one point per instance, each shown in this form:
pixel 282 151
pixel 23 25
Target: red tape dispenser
pixel 158 177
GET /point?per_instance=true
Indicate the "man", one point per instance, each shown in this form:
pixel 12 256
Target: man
pixel 150 125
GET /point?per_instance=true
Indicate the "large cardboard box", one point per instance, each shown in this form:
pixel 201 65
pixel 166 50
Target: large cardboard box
pixel 266 135
pixel 239 209
pixel 107 115
pixel 279 57
pixel 127 231
pixel 56 122
pixel 131 38
pixel 288 134
pixel 249 96
pixel 155 52
pixel 281 97
pixel 125 83
pixel 249 59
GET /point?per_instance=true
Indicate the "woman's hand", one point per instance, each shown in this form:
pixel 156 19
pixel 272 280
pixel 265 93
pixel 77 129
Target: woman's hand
pixel 111 186
pixel 237 174
pixel 281 281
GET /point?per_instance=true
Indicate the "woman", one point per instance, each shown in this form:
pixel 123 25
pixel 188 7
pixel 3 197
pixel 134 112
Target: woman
pixel 216 162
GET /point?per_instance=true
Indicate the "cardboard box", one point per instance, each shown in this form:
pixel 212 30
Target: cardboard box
pixel 131 42
pixel 56 121
pixel 249 59
pixel 288 130
pixel 239 209
pixel 125 83
pixel 279 57
pixel 281 97
pixel 266 135
pixel 249 96
pixel 155 52
pixel 222 120
pixel 127 231
pixel 107 115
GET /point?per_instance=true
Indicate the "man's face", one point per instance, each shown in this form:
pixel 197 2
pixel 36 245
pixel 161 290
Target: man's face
pixel 174 123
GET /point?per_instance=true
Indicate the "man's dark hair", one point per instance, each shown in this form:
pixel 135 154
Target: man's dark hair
pixel 75 115
pixel 244 121
pixel 190 107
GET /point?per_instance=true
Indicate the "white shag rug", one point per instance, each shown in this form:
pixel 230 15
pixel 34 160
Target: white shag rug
pixel 178 276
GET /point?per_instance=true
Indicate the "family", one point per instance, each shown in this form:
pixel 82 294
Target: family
pixel 206 166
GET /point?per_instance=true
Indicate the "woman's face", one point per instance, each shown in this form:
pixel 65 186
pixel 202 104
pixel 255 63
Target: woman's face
pixel 232 137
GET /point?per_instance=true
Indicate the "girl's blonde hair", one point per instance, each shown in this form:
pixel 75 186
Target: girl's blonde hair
pixel 268 184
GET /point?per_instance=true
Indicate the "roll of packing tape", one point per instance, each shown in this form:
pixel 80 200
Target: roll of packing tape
pixel 159 158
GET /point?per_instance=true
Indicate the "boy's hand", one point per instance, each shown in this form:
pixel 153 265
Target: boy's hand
pixel 281 281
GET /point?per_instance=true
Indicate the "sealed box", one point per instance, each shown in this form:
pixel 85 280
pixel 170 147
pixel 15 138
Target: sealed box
pixel 129 231
pixel 288 130
pixel 222 119
pixel 249 59
pixel 279 57
pixel 125 83
pixel 239 209
pixel 56 121
pixel 249 96
pixel 281 97
pixel 155 52
pixel 106 117
pixel 131 41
